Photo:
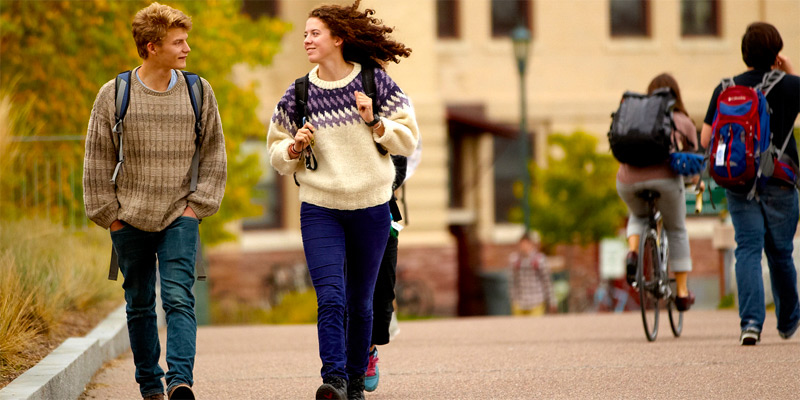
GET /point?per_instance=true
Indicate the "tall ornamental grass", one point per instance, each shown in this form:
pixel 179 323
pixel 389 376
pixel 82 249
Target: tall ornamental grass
pixel 45 272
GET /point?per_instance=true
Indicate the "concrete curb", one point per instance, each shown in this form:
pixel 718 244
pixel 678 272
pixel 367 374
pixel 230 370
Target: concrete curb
pixel 65 372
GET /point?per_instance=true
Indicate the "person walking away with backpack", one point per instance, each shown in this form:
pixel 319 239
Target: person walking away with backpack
pixel 340 156
pixel 149 201
pixel 768 221
pixel 384 294
pixel 662 179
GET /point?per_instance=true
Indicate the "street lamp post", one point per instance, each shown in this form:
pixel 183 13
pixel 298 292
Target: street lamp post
pixel 521 38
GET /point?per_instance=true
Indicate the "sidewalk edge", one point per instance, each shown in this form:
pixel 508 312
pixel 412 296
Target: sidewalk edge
pixel 66 371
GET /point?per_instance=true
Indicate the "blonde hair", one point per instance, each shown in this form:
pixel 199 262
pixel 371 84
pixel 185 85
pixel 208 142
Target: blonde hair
pixel 150 25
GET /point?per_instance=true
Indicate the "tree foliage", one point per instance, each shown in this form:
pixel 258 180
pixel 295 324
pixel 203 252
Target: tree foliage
pixel 57 54
pixel 574 199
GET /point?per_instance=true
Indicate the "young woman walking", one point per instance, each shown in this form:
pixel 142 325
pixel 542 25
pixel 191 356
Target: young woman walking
pixel 339 154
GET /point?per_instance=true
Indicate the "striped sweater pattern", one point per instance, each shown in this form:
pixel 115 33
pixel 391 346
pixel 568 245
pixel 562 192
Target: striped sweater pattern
pixel 152 188
pixel 351 173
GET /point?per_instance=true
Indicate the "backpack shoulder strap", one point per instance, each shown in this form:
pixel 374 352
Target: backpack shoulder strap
pixel 769 80
pixel 301 106
pixel 301 99
pixel 122 90
pixel 368 81
pixel 195 86
pixel 122 87
pixel 727 82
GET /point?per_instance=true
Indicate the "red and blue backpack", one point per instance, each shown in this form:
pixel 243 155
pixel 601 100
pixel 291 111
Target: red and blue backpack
pixel 741 154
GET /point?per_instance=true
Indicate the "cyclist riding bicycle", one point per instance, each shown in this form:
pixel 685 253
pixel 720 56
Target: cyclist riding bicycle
pixel 662 179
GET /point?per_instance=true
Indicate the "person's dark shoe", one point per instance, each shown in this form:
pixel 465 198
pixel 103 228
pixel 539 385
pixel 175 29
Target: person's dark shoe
pixel 788 334
pixel 631 261
pixel 684 303
pixel 749 337
pixel 333 387
pixel 157 396
pixel 355 389
pixel 181 391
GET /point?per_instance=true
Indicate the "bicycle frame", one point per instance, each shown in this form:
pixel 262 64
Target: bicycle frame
pixel 656 285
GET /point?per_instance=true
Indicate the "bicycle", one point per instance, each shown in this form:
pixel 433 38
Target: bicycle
pixel 652 273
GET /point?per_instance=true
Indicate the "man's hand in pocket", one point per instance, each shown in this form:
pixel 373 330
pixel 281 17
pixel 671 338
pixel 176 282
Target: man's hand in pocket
pixel 188 212
pixel 116 225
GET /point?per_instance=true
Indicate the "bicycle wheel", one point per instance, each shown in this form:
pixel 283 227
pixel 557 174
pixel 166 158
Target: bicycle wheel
pixel 647 277
pixel 675 316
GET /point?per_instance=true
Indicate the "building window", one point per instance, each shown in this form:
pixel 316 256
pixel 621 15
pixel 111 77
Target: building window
pixel 447 19
pixel 267 193
pixel 630 18
pixel 507 14
pixel 699 18
pixel 507 174
pixel 260 8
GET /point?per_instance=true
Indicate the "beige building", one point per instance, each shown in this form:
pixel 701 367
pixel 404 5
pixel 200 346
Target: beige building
pixel 463 80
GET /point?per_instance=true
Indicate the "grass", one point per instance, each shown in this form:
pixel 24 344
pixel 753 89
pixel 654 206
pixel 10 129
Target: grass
pixel 52 282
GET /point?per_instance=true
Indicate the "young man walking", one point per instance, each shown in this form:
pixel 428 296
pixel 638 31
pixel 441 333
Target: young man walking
pixel 139 181
pixel 767 222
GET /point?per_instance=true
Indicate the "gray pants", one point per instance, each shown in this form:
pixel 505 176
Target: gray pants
pixel 672 205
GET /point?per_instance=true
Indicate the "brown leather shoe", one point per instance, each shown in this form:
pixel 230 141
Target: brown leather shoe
pixel 157 396
pixel 684 303
pixel 181 391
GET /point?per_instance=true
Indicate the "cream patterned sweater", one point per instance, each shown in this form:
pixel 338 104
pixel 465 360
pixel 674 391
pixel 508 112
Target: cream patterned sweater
pixel 351 173
pixel 152 188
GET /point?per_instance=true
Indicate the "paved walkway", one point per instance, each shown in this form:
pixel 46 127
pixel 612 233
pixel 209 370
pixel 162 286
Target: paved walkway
pixel 579 356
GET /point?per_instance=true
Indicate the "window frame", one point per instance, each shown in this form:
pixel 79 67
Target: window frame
pixel 455 31
pixel 648 25
pixel 716 30
pixel 498 33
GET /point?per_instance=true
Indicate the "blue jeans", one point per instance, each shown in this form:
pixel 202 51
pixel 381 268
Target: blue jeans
pixel 768 224
pixel 175 248
pixel 344 249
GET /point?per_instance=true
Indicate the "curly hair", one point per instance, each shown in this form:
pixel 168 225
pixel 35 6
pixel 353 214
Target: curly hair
pixel 365 38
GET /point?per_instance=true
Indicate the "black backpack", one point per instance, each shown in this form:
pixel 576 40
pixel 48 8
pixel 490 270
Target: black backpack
pixel 641 128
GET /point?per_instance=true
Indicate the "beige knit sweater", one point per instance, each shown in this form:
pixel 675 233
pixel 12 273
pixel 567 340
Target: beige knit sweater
pixel 152 188
pixel 352 174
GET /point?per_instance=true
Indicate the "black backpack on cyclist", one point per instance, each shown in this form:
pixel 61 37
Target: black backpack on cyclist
pixel 641 128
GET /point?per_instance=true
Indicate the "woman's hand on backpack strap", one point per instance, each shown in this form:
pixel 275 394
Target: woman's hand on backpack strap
pixel 364 105
pixel 302 139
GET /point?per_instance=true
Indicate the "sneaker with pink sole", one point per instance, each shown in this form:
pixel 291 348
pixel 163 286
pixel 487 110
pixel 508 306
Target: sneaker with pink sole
pixel 373 375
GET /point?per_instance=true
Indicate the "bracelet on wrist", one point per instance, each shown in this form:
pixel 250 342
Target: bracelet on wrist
pixel 375 120
pixel 377 126
pixel 292 150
